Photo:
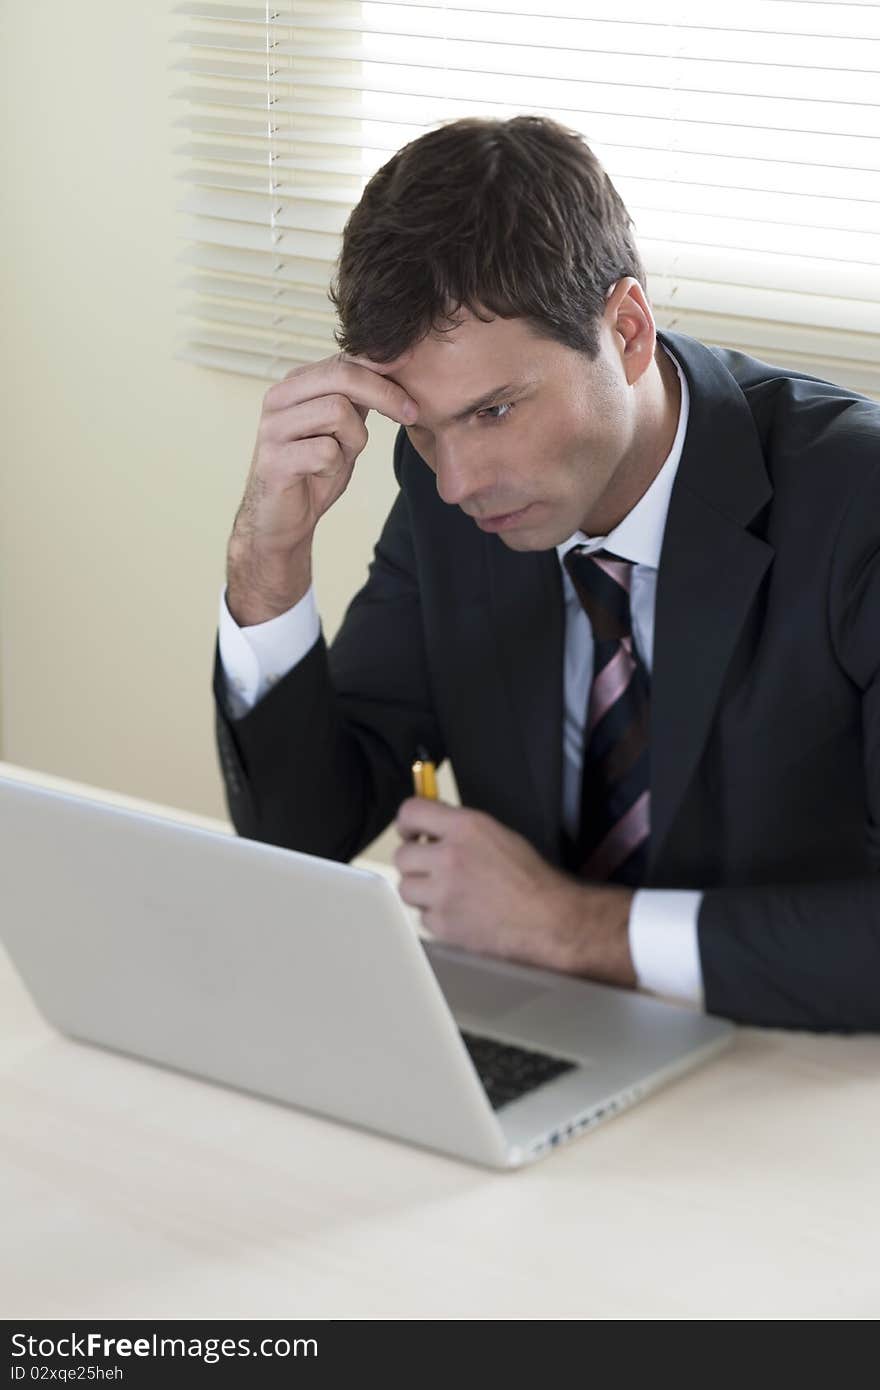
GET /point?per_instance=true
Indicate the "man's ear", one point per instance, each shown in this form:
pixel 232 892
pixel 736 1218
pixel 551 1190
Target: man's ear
pixel 629 317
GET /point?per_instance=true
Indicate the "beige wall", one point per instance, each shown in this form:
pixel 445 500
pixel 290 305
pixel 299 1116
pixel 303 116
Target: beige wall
pixel 122 468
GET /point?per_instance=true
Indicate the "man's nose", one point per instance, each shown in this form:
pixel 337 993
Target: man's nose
pixel 458 477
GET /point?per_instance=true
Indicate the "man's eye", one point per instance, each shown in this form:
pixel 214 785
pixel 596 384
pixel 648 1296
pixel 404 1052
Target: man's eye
pixel 507 407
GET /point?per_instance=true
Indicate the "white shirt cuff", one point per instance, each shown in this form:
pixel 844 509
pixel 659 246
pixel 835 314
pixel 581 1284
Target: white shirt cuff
pixel 664 945
pixel 254 658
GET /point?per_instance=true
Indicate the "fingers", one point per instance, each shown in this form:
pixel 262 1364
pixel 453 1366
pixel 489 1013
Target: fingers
pixel 412 857
pixel 418 886
pixel 328 416
pixel 419 815
pixel 321 457
pixel 364 386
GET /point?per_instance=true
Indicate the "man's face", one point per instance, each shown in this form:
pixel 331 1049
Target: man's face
pixel 547 445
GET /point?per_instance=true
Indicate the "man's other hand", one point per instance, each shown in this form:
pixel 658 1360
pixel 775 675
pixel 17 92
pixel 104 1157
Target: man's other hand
pixel 483 887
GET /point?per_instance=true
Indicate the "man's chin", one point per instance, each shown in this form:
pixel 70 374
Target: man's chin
pixel 540 536
pixel 526 540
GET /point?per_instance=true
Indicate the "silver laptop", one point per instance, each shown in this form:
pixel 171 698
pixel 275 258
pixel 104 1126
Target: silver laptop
pixel 305 980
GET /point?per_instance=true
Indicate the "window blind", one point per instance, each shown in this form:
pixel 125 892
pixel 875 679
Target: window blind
pixel 745 142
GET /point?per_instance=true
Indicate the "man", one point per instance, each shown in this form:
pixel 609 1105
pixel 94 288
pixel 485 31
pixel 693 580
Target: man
pixel 630 587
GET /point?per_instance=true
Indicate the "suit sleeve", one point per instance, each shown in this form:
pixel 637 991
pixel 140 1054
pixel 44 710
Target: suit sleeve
pixel 808 955
pixel 322 762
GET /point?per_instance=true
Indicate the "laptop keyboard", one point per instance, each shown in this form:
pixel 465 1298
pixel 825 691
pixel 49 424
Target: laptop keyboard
pixel 508 1072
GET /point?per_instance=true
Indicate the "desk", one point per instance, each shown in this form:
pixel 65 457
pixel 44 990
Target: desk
pixel 746 1190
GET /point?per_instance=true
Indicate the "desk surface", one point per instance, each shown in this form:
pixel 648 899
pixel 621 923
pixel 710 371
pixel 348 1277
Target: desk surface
pixel 746 1190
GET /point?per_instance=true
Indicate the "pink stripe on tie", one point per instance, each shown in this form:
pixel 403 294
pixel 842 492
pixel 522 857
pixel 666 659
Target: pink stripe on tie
pixel 609 684
pixel 629 832
pixel 618 570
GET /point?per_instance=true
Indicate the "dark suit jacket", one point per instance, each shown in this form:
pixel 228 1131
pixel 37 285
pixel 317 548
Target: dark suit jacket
pixel 765 702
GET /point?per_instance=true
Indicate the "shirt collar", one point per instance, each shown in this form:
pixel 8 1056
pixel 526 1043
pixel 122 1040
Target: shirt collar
pixel 639 536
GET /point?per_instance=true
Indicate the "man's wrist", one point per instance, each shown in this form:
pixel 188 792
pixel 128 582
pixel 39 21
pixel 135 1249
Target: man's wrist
pixel 595 939
pixel 259 589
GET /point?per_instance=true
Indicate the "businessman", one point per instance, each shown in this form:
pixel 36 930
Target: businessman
pixel 630 587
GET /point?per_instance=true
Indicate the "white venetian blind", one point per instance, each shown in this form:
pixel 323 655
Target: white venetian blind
pixel 744 140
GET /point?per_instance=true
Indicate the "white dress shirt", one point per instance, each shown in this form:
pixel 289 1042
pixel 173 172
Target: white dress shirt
pixel 663 922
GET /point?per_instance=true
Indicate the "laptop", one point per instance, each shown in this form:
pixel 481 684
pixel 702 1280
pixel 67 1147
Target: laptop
pixel 305 981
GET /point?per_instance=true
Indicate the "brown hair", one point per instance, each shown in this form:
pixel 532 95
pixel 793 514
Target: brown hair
pixel 515 217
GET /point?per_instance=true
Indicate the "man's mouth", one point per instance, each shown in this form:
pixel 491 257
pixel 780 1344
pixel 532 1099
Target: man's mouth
pixel 502 520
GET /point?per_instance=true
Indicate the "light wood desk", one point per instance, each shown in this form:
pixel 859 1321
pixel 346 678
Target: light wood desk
pixel 747 1189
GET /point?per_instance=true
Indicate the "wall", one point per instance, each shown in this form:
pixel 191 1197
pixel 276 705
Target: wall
pixel 122 468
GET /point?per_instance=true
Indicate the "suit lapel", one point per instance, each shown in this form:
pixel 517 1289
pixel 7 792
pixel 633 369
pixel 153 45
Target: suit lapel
pixel 710 570
pixel 703 598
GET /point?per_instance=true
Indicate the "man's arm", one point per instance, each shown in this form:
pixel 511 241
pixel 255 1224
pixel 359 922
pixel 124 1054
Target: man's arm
pixel 322 761
pixel 256 657
pixel 808 955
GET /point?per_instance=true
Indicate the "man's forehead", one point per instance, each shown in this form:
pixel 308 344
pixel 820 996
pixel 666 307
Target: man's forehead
pixel 456 401
pixel 453 374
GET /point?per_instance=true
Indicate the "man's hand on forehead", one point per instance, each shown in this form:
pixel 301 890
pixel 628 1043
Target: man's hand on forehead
pixel 311 432
pixel 383 369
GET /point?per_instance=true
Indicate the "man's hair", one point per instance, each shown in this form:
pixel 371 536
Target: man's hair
pixel 515 217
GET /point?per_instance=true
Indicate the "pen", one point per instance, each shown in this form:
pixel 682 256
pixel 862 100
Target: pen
pixel 424 775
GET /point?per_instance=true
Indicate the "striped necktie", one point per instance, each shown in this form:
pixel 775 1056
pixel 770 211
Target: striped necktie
pixel 615 792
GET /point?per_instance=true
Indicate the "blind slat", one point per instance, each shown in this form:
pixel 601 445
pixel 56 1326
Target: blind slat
pixel 311 213
pixel 771 343
pixel 314 337
pixel 274 266
pixel 265 346
pixel 758 270
pixel 252 154
pixel 264 366
pixel 813 312
pixel 309 245
pixel 218 286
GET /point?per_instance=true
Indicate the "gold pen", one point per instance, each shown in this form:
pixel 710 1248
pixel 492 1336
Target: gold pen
pixel 424 774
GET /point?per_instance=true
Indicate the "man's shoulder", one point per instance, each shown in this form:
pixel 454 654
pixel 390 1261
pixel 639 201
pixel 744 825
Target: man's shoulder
pixel 795 413
pixel 758 379
pixel 813 398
